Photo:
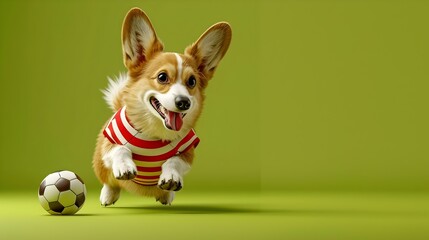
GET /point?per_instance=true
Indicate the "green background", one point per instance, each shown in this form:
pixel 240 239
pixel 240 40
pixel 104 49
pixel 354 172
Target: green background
pixel 312 95
pixel 315 124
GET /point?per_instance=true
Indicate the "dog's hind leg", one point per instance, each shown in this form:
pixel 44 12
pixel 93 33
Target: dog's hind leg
pixel 103 168
pixel 109 195
pixel 166 197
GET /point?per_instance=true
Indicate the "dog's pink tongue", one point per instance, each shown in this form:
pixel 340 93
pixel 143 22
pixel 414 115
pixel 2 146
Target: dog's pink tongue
pixel 174 120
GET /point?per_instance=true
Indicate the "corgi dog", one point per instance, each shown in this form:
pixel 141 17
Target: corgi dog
pixel 147 146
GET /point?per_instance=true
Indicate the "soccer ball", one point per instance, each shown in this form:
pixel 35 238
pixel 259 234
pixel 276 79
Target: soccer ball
pixel 62 192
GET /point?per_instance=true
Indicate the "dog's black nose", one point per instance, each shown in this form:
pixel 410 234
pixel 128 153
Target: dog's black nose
pixel 183 103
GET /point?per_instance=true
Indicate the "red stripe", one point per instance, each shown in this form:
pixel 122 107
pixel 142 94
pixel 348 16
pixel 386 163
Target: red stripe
pixel 194 144
pixel 147 177
pixel 107 136
pixel 156 158
pixel 149 169
pixel 166 155
pixel 145 183
pixel 112 131
pixel 128 120
pixel 137 141
pixel 186 139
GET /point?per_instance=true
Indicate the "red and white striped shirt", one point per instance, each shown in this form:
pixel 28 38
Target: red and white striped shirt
pixel 148 155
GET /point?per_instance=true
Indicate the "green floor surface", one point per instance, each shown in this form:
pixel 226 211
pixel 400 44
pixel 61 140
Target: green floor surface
pixel 214 215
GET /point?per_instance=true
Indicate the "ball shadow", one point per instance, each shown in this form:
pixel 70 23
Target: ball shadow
pixel 72 215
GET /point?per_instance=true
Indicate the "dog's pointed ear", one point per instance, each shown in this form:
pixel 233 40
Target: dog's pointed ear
pixel 210 48
pixel 139 40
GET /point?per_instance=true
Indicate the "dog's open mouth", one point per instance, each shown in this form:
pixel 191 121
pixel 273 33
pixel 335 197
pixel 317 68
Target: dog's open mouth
pixel 172 120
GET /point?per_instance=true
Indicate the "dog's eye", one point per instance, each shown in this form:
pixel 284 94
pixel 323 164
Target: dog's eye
pixel 191 82
pixel 162 78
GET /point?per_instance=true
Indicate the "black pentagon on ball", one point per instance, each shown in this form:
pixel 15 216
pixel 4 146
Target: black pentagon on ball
pixel 56 207
pixel 62 184
pixel 42 188
pixel 80 199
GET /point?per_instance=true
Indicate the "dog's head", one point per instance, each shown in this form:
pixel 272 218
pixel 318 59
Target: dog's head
pixel 165 91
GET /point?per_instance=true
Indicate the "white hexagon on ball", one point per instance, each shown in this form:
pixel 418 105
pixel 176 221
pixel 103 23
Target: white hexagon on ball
pixel 52 178
pixel 76 186
pixel 51 193
pixel 68 175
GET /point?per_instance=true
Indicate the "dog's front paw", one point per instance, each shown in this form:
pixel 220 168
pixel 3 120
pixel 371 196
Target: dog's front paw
pixel 124 170
pixel 171 181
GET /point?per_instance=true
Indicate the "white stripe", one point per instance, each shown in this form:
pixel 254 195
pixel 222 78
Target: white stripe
pixel 187 144
pixel 149 164
pixel 107 128
pixel 150 152
pixel 146 181
pixel 126 123
pixel 109 133
pixel 149 173
pixel 118 132
pixel 179 67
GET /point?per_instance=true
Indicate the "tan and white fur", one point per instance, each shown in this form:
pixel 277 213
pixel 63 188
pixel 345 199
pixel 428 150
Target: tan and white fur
pixel 153 73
